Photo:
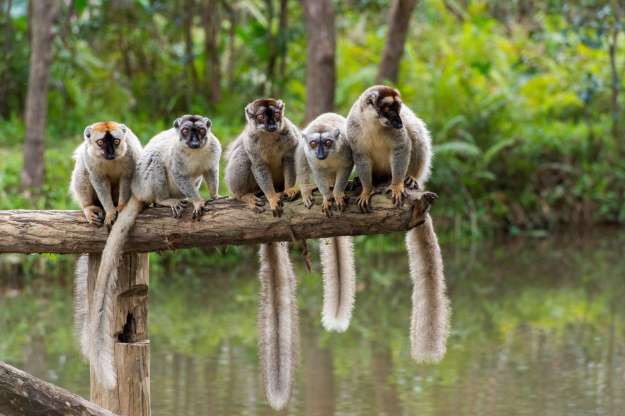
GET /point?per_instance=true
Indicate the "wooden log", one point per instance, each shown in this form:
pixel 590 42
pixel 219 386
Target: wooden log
pixel 23 394
pixel 227 222
pixel 131 397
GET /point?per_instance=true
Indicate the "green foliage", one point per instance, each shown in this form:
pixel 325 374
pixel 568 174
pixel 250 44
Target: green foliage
pixel 518 103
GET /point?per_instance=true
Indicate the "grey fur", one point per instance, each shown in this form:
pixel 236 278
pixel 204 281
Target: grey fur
pixel 261 160
pixel 399 148
pixel 330 175
pixel 168 173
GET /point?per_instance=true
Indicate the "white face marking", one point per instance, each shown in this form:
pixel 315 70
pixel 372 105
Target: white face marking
pixel 388 100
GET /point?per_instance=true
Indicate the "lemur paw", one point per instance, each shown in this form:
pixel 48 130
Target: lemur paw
pixel 364 201
pixel 308 200
pixel 411 183
pixel 176 205
pixel 275 203
pixel 94 215
pixel 110 217
pixel 290 193
pixel 398 194
pixel 341 202
pixel 326 207
pixel 199 207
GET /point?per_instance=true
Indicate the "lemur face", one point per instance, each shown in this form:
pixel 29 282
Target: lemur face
pixel 106 140
pixel 387 104
pixel 193 130
pixel 322 143
pixel 265 113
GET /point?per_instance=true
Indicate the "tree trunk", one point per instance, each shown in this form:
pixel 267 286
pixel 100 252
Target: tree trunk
pixel 5 74
pixel 614 87
pixel 270 73
pixel 283 42
pixel 211 22
pixel 188 13
pixel 321 52
pixel 227 222
pixel 41 20
pixel 398 24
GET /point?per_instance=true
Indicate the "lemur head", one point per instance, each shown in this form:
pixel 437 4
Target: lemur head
pixel 106 140
pixel 321 143
pixel 193 130
pixel 265 113
pixel 383 103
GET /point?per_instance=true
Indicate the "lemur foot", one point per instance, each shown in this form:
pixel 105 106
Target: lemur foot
pixel 275 203
pixel 94 215
pixel 364 200
pixel 398 194
pixel 290 193
pixel 177 206
pixel 411 183
pixel 326 206
pixel 199 207
pixel 341 202
pixel 253 202
pixel 110 217
pixel 308 200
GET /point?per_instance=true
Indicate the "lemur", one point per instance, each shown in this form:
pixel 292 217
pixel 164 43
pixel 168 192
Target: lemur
pixel 389 141
pixel 169 173
pixel 262 159
pixel 324 154
pixel 100 184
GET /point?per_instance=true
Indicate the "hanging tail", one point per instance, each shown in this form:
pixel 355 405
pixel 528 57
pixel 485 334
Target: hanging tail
pixel 81 304
pixel 339 282
pixel 429 325
pixel 101 314
pixel 277 323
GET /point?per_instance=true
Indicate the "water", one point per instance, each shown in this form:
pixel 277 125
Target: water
pixel 538 329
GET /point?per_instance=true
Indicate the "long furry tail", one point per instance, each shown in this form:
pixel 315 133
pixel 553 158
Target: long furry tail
pixel 339 282
pixel 101 313
pixel 81 304
pixel 429 325
pixel 277 323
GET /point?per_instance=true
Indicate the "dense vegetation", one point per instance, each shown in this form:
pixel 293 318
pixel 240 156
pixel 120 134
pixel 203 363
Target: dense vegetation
pixel 522 99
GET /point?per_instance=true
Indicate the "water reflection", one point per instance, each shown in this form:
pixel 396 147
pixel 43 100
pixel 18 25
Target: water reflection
pixel 537 329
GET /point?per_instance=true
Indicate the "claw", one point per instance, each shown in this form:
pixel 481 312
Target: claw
pixel 364 201
pixel 326 207
pixel 398 193
pixel 308 201
pixel 411 183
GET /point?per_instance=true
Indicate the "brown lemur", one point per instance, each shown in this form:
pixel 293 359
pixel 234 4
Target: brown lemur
pixel 100 184
pixel 168 173
pixel 324 154
pixel 389 141
pixel 262 159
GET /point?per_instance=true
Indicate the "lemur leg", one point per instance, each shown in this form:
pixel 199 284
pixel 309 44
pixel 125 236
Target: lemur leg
pixel 124 192
pixel 189 189
pixel 340 184
pixel 102 188
pixel 262 174
pixel 290 189
pixel 176 205
pixel 324 187
pixel 363 168
pixel 400 157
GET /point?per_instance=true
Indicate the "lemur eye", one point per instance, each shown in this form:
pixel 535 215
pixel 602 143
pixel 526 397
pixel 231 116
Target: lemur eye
pixel 328 143
pixel 313 144
pixel 185 131
pixel 99 142
pixel 202 131
pixel 116 142
pixel 277 116
pixel 260 117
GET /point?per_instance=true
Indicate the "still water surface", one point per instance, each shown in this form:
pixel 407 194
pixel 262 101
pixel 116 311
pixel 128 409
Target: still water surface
pixel 538 329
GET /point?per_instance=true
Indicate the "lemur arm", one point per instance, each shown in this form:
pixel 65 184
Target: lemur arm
pixel 288 167
pixel 304 177
pixel 400 157
pixel 124 192
pixel 102 188
pixel 212 181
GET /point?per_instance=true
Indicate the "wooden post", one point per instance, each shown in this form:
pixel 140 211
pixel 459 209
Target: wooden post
pixel 131 397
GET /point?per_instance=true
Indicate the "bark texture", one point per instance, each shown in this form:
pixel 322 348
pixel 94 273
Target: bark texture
pixel 22 394
pixel 227 222
pixel 398 25
pixel 321 52
pixel 42 18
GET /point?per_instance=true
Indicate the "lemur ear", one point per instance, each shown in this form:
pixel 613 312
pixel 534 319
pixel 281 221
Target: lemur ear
pixel 248 112
pixel 87 133
pixel 207 121
pixel 372 97
pixel 337 134
pixel 280 105
pixel 177 122
pixel 123 128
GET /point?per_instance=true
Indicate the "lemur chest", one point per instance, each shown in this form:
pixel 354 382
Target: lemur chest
pixel 379 149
